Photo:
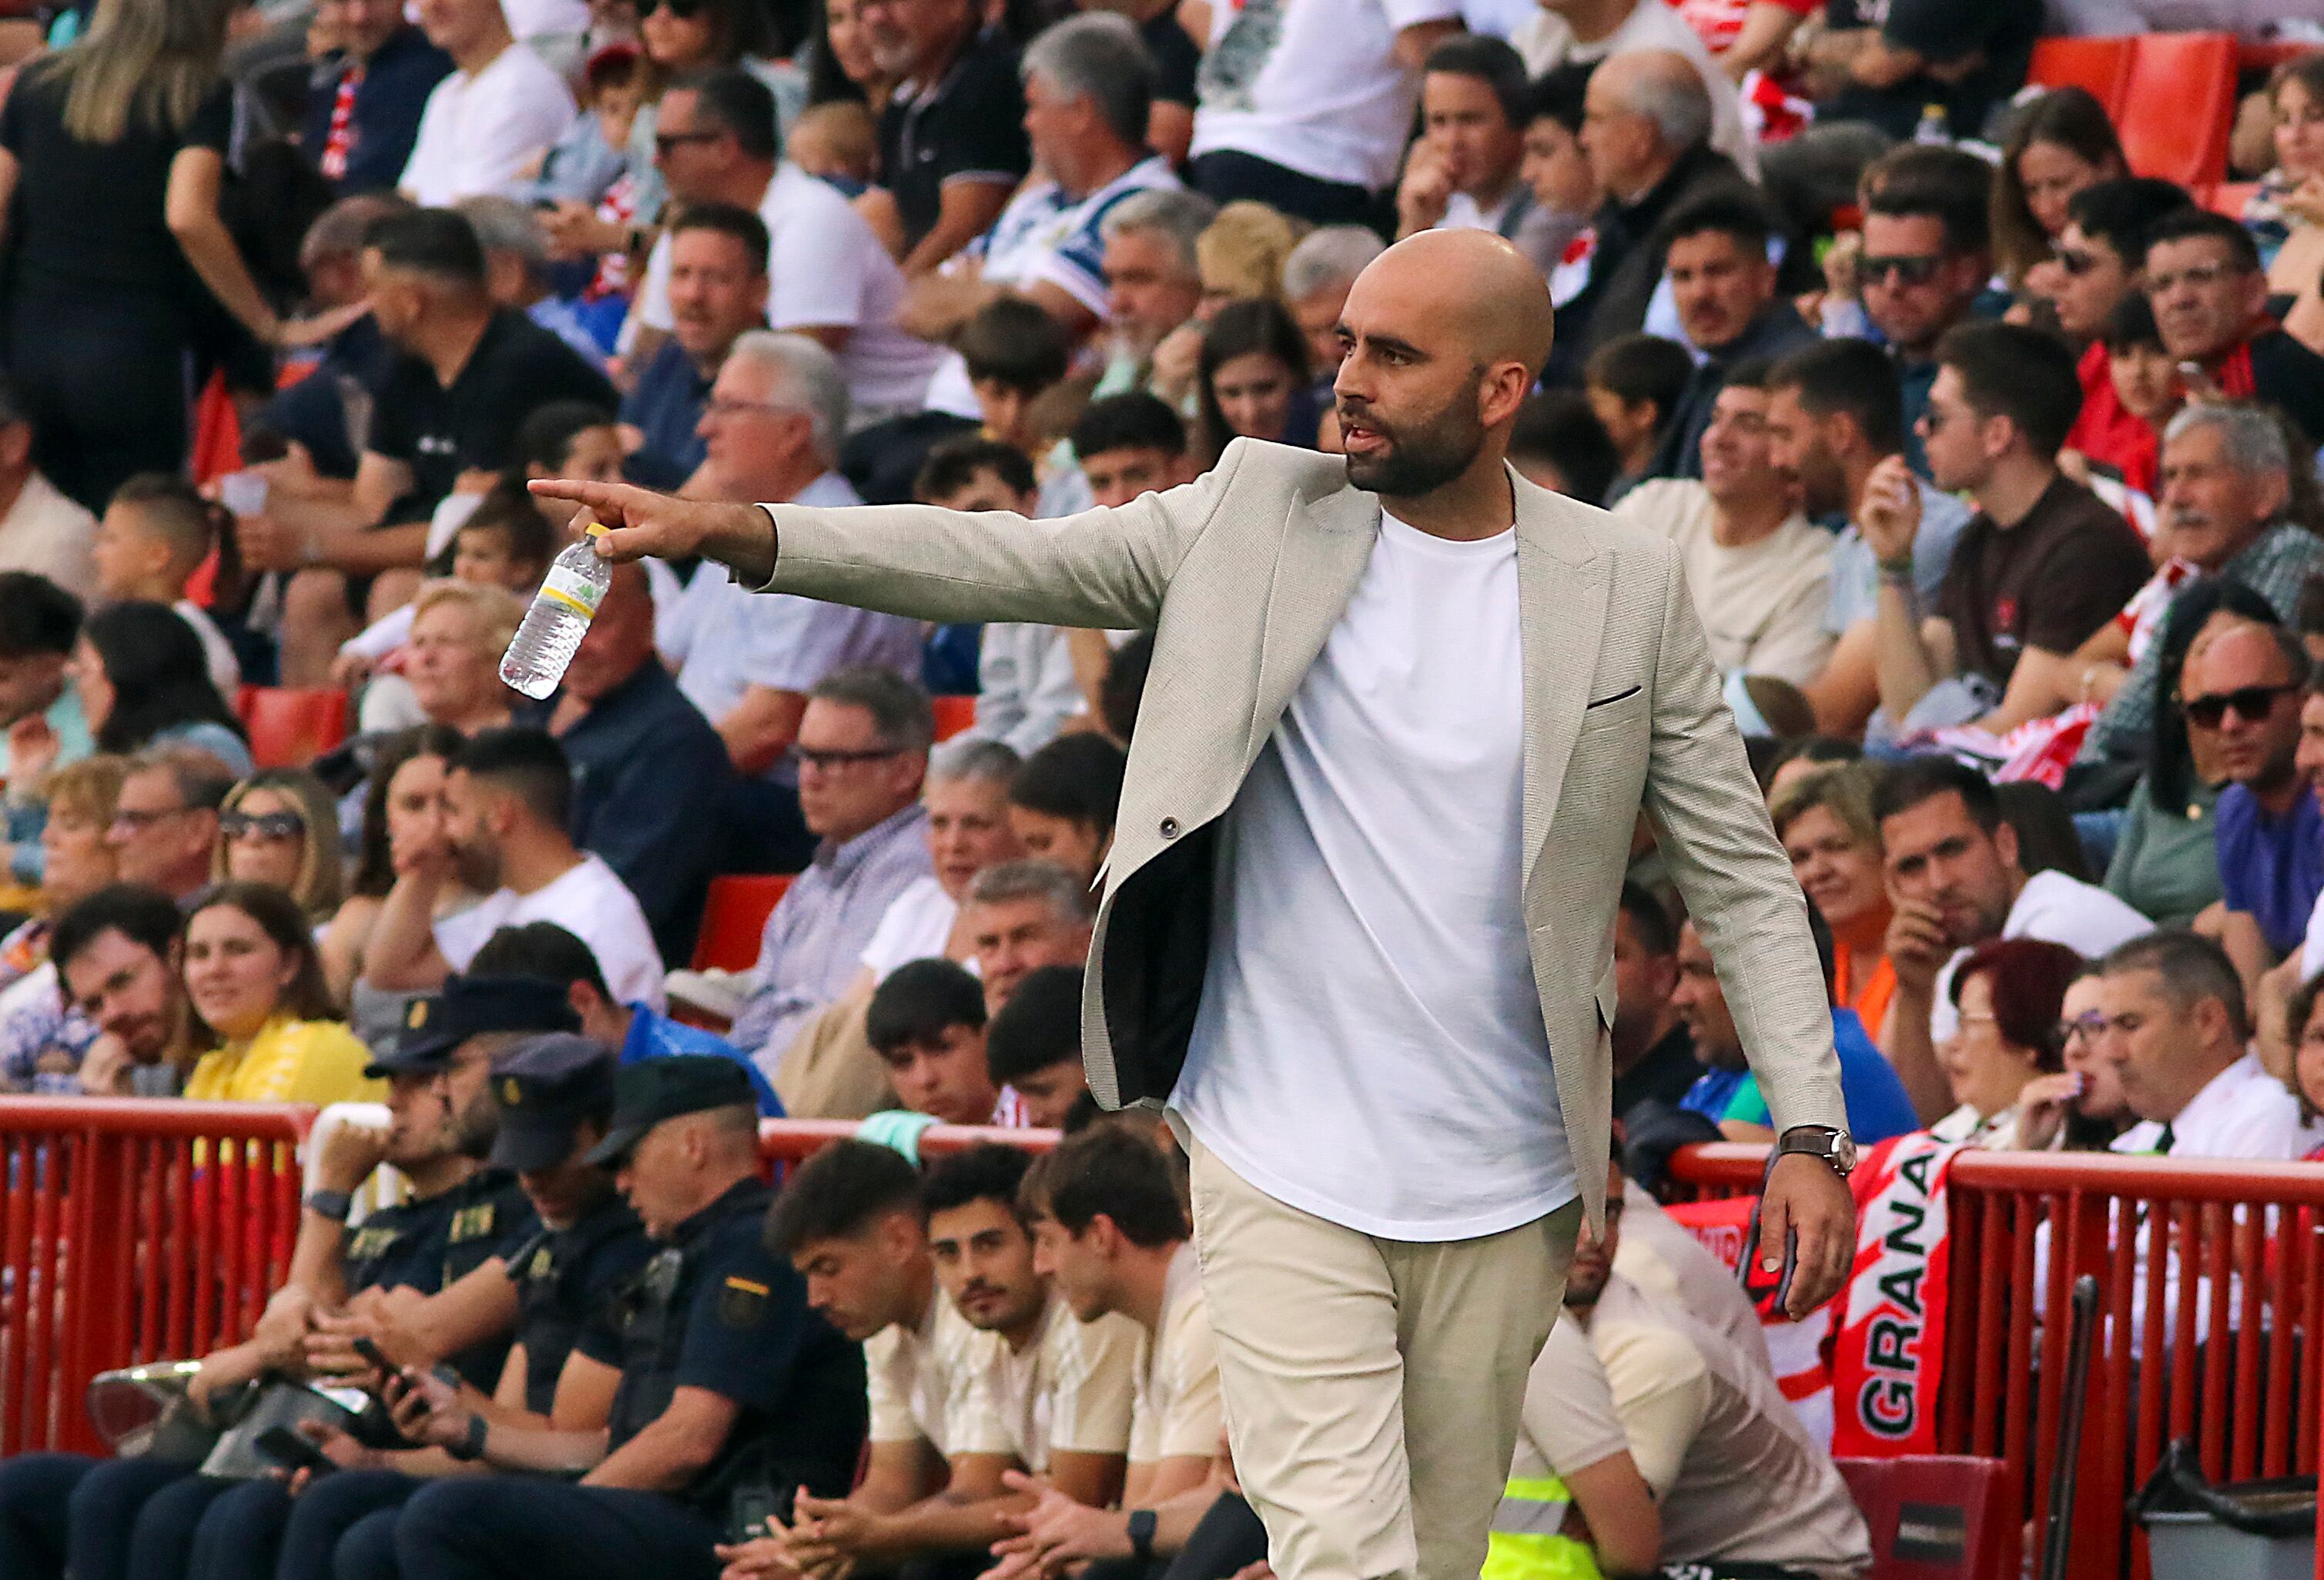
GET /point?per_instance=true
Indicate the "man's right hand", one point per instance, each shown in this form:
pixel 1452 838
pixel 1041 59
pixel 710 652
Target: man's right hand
pixel 1890 515
pixel 641 522
pixel 1918 946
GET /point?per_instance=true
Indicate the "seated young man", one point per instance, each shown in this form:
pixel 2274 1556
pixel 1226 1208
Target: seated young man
pixel 851 1222
pixel 927 1023
pixel 1677 1450
pixel 1033 1046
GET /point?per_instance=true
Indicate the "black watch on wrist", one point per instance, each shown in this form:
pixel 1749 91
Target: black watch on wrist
pixel 472 1446
pixel 333 1204
pixel 1835 1147
pixel 1141 1535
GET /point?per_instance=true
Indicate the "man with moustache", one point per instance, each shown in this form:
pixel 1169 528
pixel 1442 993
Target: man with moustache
pixel 1406 638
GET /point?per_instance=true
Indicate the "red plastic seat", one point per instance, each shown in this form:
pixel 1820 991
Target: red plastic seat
pixel 2179 106
pixel 290 726
pixel 953 714
pixel 2101 66
pixel 1932 1516
pixel 733 919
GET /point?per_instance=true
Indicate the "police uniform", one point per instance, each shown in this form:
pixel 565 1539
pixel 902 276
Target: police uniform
pixel 713 1309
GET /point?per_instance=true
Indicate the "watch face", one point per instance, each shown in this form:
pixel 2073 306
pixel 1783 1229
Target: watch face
pixel 1843 1152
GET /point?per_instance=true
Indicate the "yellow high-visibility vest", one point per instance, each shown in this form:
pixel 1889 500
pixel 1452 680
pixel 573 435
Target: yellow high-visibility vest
pixel 1528 1543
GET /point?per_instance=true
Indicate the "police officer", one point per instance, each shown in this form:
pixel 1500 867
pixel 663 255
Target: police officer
pixel 556 1098
pixel 727 1390
pixel 465 1218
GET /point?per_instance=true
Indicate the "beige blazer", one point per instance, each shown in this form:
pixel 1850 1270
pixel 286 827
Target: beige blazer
pixel 1241 575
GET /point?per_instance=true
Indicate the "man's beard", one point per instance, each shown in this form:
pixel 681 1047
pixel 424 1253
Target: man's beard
pixel 478 866
pixel 1422 457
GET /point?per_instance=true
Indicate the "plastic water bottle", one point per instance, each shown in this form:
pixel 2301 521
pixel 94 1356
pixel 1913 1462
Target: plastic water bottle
pixel 1933 131
pixel 559 617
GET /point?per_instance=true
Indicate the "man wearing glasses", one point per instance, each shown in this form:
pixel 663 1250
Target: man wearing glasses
pixel 2241 693
pixel 2210 297
pixel 165 823
pixel 772 431
pixel 1926 256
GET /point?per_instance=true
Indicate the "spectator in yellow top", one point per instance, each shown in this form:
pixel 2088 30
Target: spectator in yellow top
pixel 260 1007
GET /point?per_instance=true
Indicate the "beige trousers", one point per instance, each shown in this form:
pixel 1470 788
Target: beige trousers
pixel 1372 1386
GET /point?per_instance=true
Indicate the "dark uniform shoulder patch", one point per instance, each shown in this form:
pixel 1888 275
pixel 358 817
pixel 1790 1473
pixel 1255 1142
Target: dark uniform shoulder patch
pixel 741 1302
pixel 372 1241
pixel 544 1264
pixel 473 1222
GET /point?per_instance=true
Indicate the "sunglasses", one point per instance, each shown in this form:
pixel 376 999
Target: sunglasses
pixel 666 141
pixel 264 824
pixel 2251 704
pixel 1912 268
pixel 684 10
pixel 2074 261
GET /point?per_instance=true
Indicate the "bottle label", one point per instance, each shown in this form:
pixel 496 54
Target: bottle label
pixel 573 590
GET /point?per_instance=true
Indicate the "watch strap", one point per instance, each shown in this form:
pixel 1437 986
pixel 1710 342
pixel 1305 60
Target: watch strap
pixel 333 1204
pixel 1141 1534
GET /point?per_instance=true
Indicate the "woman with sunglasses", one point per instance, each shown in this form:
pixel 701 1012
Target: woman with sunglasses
pixel 280 827
pixel 145 681
pixel 2011 992
pixel 262 1009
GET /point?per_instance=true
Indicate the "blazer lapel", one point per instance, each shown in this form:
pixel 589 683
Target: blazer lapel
pixel 1319 560
pixel 1561 593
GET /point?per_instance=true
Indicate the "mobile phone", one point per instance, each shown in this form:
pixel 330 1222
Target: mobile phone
pixel 1790 1263
pixel 375 1355
pixel 292 1450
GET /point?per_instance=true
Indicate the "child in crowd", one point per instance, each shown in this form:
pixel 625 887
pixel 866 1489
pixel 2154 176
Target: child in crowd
pixel 151 538
pixel 927 1023
pixel 838 142
pixel 1634 383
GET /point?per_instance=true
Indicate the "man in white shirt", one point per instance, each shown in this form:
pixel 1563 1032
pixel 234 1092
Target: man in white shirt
pixel 828 277
pixel 502 822
pixel 1759 569
pixel 1466 171
pixel 851 1222
pixel 2176 1031
pixel 1088 84
pixel 41 531
pixel 489 122
pixel 1305 105
pixel 1588 31
pixel 1955 881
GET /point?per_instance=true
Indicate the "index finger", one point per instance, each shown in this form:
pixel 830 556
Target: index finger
pixel 613 502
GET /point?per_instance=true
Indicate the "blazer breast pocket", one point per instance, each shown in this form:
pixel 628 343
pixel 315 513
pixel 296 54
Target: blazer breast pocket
pixel 1619 696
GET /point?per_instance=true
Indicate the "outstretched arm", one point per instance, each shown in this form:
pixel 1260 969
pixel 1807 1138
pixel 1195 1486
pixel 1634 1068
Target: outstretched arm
pixel 1102 569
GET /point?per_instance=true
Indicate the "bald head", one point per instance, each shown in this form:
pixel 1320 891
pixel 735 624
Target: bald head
pixel 1646 107
pixel 1446 332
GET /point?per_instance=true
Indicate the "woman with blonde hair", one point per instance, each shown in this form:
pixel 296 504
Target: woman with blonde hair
pixel 451 661
pixel 1824 819
pixel 280 827
pixel 112 158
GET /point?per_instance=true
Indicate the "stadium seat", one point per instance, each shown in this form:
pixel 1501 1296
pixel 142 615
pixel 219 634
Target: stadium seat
pixel 733 919
pixel 2178 107
pixel 1932 1516
pixel 953 714
pixel 2100 66
pixel 290 726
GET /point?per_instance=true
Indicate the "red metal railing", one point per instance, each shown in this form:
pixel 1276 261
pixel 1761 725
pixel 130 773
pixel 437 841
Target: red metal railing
pixel 2211 1309
pixel 133 1231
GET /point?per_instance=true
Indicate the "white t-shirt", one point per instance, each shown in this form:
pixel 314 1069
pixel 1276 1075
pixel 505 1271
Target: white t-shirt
pixel 1548 40
pixel 590 902
pixel 49 535
pixel 1369 1047
pixel 1313 86
pixel 2056 910
pixel 1761 604
pixel 478 134
pixel 916 926
pixel 825 269
pixel 1071 1389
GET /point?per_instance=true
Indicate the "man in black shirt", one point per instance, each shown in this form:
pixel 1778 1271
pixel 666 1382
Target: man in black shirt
pixel 364 98
pixel 1654 1055
pixel 1715 254
pixel 952 140
pixel 728 1392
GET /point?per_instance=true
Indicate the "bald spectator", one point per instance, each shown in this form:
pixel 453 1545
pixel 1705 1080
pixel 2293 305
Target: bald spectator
pixel 1152 281
pixel 1588 31
pixel 493 119
pixel 365 96
pixel 1758 569
pixel 1648 138
pixel 1088 84
pixel 1316 281
pixel 2225 489
pixel 1715 256
pixel 748 661
pixel 1305 105
pixel 1926 256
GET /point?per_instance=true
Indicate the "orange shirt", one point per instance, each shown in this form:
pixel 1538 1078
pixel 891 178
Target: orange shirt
pixel 1871 1004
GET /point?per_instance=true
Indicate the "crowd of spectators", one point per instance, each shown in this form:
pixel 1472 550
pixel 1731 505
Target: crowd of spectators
pixel 1990 459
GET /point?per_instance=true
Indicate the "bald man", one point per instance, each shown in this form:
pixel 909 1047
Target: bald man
pixel 1404 711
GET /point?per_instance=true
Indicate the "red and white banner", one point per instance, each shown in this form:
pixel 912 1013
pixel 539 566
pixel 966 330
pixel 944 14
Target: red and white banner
pixel 1888 1357
pixel 1795 1349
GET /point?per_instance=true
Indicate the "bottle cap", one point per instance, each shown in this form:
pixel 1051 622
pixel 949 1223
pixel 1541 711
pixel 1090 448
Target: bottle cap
pixel 594 528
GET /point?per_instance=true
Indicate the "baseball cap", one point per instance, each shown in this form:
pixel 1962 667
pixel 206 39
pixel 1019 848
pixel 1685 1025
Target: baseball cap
pixel 652 1090
pixel 469 1006
pixel 546 1087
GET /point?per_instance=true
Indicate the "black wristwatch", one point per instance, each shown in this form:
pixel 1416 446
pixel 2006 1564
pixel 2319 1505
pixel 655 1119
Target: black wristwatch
pixel 1141 1535
pixel 333 1204
pixel 1835 1147
pixel 471 1446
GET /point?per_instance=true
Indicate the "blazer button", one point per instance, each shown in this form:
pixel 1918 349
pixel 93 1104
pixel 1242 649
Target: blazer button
pixel 1169 827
